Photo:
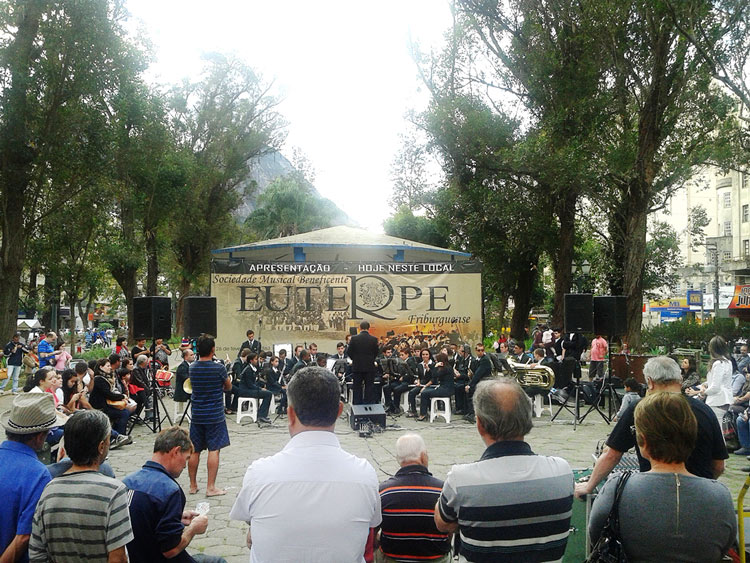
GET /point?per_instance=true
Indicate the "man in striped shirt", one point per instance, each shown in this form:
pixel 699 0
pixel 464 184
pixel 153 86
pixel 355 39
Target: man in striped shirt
pixel 208 425
pixel 83 515
pixel 408 533
pixel 512 505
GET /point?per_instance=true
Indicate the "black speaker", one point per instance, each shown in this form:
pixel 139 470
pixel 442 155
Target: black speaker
pixel 152 317
pixel 610 315
pixel 199 316
pixel 361 414
pixel 579 312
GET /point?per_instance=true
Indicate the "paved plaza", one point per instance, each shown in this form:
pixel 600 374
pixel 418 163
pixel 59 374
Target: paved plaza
pixel 448 444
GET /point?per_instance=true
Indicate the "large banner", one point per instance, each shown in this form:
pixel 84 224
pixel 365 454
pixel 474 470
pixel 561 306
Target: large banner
pixel 299 303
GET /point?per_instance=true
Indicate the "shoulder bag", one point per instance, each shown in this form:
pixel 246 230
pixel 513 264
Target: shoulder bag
pixel 609 548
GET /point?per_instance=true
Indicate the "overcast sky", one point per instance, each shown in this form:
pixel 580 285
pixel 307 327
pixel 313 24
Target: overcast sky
pixel 343 68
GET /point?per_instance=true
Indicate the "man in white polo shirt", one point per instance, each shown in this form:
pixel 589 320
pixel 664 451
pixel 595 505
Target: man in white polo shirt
pixel 312 501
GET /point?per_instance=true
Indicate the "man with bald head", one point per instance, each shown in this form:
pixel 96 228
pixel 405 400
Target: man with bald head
pixel 408 531
pixel 511 505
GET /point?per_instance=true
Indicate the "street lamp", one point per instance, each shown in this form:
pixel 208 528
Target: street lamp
pixel 585 269
pixel 715 261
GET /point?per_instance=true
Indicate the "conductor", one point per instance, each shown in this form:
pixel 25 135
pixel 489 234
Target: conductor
pixel 363 349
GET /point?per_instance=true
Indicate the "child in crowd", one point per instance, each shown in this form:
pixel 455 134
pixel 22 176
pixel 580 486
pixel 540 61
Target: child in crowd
pixel 632 396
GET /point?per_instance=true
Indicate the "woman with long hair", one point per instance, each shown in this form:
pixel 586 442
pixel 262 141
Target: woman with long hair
pixel 690 377
pixel 717 390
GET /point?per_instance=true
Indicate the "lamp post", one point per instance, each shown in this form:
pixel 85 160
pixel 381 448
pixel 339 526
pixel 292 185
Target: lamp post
pixel 715 261
pixel 584 268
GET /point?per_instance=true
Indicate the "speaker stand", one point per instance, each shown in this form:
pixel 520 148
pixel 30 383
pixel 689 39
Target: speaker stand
pixel 156 400
pixel 575 411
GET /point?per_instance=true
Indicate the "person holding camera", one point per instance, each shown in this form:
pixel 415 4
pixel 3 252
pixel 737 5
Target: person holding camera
pixel 13 352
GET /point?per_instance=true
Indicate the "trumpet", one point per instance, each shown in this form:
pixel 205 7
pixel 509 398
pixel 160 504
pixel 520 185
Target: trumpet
pixel 539 376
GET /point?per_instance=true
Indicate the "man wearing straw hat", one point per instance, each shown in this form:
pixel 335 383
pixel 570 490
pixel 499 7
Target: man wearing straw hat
pixel 26 426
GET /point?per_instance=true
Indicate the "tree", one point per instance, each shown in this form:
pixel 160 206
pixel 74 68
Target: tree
pixel 221 121
pixel 404 224
pixel 668 118
pixel 288 207
pixel 59 60
pixel 663 258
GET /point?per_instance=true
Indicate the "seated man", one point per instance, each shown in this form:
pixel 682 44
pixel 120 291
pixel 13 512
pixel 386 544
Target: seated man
pixel 407 499
pixel 22 474
pixel 250 387
pixel 82 515
pixel 512 504
pixel 161 526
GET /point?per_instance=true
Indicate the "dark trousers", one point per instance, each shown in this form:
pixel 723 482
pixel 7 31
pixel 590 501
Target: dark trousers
pixel 262 394
pixel 393 392
pixel 460 385
pixel 431 392
pixel 118 417
pixel 413 392
pixel 368 380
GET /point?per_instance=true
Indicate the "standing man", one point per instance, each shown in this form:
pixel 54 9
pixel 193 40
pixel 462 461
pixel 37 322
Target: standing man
pixel 208 425
pixel 512 504
pixel 22 474
pixel 707 459
pixel 312 501
pixel 363 349
pixel 407 500
pixel 461 368
pixel 82 515
pixel 14 352
pixel 46 350
pixel 599 349
pixel 162 527
pixel 251 343
pixel 181 376
pixel 313 349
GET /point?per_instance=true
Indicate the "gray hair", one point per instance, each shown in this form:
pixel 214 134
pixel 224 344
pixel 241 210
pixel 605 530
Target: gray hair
pixel 315 394
pixel 84 431
pixel 662 370
pixel 503 408
pixel 142 359
pixel 409 447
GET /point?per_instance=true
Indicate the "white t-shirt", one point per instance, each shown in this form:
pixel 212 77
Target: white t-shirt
pixel 310 503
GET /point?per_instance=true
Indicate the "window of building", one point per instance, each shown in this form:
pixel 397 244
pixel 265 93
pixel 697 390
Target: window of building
pixel 727 199
pixel 703 288
pixel 690 285
pixel 745 213
pixel 727 228
pixel 726 256
pixel 745 248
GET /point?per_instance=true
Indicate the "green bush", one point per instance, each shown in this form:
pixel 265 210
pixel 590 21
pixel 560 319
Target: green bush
pixel 93 354
pixel 686 334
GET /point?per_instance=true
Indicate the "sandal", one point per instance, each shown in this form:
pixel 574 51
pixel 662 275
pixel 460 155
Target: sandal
pixel 229 411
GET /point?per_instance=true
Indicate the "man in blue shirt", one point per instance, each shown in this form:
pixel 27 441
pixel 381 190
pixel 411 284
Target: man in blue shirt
pixel 208 425
pixel 162 527
pixel 46 350
pixel 22 474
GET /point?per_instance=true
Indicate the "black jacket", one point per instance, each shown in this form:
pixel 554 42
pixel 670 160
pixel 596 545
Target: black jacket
pixel 363 349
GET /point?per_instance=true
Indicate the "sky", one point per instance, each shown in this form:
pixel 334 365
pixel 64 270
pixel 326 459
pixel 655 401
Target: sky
pixel 342 67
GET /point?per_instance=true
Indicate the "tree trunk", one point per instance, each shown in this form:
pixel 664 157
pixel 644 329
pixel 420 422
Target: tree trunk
pixel 16 158
pixel 563 260
pixel 522 301
pixel 185 288
pixel 634 263
pixel 617 227
pixel 152 262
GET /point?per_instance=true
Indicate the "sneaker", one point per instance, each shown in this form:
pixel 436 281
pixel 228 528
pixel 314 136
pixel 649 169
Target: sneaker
pixel 742 451
pixel 16 392
pixel 264 420
pixel 121 440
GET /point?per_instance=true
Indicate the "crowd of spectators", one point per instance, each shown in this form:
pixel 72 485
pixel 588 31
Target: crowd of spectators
pixel 511 505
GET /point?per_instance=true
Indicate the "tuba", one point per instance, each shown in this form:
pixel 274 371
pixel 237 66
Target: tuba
pixel 540 376
pixel 187 386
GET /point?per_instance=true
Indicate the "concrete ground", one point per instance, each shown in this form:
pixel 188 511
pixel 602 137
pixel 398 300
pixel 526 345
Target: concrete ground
pixel 447 444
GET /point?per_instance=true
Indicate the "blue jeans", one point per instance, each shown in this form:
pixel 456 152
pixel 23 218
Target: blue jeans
pixel 743 432
pixel 13 373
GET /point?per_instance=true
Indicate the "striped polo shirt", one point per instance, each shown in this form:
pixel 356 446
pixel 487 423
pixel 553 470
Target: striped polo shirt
pixel 511 505
pixel 207 380
pixel 408 532
pixel 80 516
